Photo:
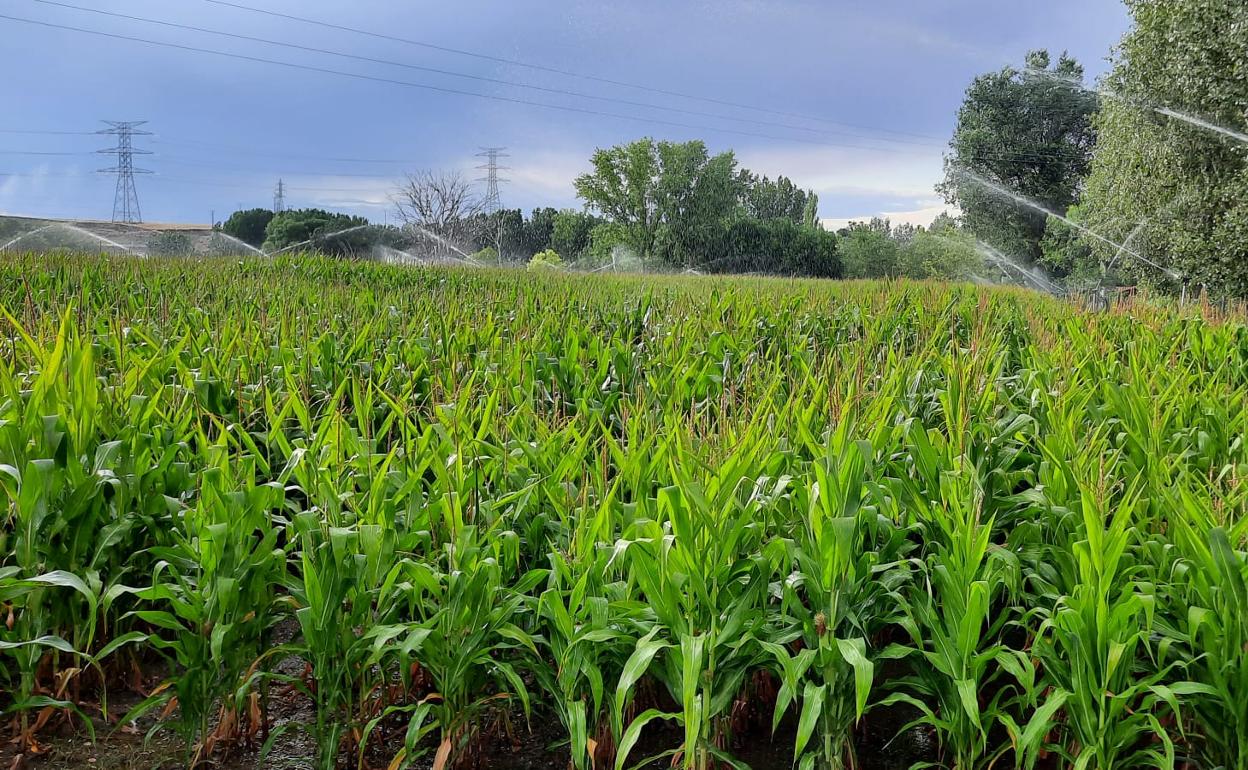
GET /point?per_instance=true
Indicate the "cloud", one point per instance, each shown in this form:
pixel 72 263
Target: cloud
pixel 369 196
pixel 31 190
pixel 546 174
pixel 902 172
pixel 920 217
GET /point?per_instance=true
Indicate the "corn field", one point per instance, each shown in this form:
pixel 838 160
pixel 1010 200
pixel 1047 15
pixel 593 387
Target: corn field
pixel 440 505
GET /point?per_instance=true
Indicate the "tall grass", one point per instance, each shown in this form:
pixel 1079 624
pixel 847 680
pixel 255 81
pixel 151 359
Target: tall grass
pixel 433 503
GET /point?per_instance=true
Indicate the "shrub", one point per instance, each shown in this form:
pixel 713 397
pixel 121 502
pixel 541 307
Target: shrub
pixel 546 259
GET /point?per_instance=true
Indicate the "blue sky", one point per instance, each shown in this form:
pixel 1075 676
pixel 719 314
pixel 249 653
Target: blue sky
pixel 863 95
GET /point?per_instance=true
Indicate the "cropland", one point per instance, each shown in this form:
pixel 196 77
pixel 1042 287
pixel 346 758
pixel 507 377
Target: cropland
pixel 303 512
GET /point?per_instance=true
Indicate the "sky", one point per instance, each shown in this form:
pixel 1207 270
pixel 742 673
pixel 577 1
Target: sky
pixel 855 100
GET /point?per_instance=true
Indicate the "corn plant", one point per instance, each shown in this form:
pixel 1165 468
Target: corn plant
pixel 705 572
pixel 24 637
pixel 588 636
pixel 344 592
pixel 1091 650
pixel 1209 625
pixel 212 603
pixel 468 646
pixel 850 569
pixel 955 638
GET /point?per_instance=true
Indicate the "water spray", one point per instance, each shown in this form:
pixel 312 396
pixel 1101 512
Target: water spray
pixel 315 238
pixel 67 226
pixel 1028 202
pixel 1169 112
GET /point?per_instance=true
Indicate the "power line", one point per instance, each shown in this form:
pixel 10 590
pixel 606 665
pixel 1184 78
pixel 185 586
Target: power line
pixel 279 155
pixel 481 78
pixel 39 131
pixel 32 152
pixel 442 89
pixel 557 71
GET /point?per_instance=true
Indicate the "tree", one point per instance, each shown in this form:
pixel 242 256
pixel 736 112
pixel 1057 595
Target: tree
pixel 868 250
pixel 442 207
pixel 1178 190
pixel 810 214
pixel 248 225
pixel 765 199
pixel 1065 252
pixel 571 232
pixel 778 247
pixel 170 243
pixel 538 230
pixel 669 199
pixel 947 254
pixel 1029 131
pixel 315 228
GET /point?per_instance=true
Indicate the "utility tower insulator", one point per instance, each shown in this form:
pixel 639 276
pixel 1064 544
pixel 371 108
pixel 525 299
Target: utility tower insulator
pixel 279 197
pixel 491 168
pixel 126 198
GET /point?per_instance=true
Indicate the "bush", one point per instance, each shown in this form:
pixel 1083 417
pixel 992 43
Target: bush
pixel 291 228
pixel 547 259
pixel 248 226
pixel 777 247
pixel 170 243
pixel 868 252
pixel 488 256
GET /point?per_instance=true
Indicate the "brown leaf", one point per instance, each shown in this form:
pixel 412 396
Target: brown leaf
pixel 443 756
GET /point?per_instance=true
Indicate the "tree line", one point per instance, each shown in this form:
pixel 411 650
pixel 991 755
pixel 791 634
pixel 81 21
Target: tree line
pixel 1141 178
pixel 648 204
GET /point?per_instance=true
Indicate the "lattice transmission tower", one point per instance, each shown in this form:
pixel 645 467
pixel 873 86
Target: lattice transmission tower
pixel 126 198
pixel 491 168
pixel 279 197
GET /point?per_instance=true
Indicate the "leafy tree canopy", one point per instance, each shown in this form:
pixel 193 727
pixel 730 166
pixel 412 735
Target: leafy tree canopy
pixel 1030 131
pixel 669 199
pixel 290 228
pixel 1178 192
pixel 248 225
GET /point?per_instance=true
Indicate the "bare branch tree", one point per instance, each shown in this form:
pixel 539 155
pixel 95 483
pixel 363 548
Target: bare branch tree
pixel 442 208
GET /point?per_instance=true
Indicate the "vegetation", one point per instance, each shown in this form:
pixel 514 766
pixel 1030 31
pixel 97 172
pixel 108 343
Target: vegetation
pixel 469 497
pixel 1029 130
pixel 676 206
pixel 1177 190
pixel 300 226
pixel 171 243
pixel 249 225
pixel 876 249
pixel 545 259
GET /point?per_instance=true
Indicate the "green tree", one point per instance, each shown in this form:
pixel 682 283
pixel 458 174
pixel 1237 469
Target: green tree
pixel 868 250
pixel 248 225
pixel 1030 131
pixel 170 243
pixel 669 199
pixel 571 232
pixel 539 228
pixel 945 253
pixel 1066 252
pixel 765 199
pixel 315 226
pixel 1179 190
pixel 810 213
pixel 778 247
